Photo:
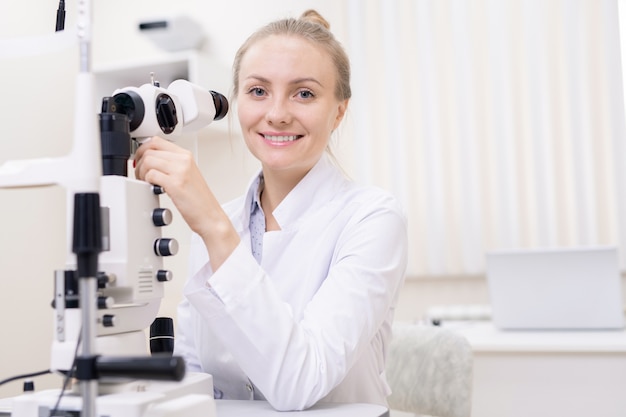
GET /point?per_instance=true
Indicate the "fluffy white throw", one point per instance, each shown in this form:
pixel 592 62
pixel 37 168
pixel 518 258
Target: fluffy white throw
pixel 429 370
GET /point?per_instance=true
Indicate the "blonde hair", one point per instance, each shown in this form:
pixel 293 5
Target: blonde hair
pixel 312 27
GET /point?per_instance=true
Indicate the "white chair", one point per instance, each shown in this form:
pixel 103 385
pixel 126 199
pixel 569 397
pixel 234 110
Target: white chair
pixel 429 370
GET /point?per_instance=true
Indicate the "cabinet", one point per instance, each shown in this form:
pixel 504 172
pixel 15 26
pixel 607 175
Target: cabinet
pixel 547 373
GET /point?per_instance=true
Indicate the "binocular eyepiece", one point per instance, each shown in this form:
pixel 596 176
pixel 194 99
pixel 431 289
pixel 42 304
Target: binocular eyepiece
pixel 150 110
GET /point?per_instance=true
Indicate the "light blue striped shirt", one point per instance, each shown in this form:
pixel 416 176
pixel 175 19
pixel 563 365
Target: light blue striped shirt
pixel 257 221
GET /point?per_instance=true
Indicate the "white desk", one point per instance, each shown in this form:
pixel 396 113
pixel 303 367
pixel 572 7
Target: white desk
pixel 547 373
pixel 233 408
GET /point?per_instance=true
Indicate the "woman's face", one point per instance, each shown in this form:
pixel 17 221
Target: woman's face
pixel 286 103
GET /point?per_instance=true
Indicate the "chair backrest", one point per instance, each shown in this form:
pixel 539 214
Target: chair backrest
pixel 429 370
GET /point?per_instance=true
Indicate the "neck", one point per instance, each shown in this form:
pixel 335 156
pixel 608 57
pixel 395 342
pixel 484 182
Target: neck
pixel 276 187
pixel 279 183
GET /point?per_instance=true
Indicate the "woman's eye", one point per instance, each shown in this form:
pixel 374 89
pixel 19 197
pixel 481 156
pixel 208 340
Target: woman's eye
pixel 306 94
pixel 257 91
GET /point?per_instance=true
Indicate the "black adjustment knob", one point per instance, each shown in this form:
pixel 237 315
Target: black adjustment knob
pixel 165 247
pixel 161 217
pixel 104 279
pixel 164 275
pixel 108 320
pixel 157 190
pixel 29 386
pixel 104 302
pixel 162 336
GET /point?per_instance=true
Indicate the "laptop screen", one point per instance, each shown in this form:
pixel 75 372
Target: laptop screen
pixel 565 289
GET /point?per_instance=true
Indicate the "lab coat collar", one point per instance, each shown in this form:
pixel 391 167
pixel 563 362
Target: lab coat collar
pixel 318 186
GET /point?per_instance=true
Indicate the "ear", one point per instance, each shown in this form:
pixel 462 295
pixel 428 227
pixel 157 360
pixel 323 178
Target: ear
pixel 341 111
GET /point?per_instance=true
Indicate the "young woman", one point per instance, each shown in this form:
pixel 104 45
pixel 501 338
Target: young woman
pixel 294 284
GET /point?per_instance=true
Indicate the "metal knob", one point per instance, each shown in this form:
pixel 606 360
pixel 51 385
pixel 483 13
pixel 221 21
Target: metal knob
pixel 108 320
pixel 161 217
pixel 166 247
pixel 164 275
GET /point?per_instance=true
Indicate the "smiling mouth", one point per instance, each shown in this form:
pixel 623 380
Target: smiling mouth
pixel 290 138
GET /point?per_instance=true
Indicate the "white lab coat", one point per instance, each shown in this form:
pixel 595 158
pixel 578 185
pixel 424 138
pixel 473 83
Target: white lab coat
pixel 313 321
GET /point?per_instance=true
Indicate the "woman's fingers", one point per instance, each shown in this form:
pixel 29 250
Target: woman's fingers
pixel 165 164
pixel 163 156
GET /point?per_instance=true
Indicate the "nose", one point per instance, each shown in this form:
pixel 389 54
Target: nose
pixel 279 112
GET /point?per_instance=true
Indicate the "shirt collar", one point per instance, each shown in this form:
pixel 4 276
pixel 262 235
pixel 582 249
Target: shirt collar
pixel 255 192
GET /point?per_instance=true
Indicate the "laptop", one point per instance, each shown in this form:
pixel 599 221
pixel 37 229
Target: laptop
pixel 555 289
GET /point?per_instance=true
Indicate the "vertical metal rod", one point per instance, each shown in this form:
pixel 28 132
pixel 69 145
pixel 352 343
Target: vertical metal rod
pixel 87 286
pixel 89 388
pixel 83 26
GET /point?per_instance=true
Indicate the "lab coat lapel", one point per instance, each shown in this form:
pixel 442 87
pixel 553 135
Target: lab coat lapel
pixel 314 190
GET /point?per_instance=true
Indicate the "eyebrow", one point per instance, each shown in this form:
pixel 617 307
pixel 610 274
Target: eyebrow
pixel 295 81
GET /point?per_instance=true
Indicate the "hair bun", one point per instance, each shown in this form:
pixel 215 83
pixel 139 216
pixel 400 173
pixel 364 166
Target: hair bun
pixel 314 17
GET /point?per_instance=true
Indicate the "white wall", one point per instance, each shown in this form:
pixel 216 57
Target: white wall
pixel 37 116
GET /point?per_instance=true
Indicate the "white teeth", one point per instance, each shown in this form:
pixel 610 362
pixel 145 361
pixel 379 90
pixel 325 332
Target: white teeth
pixel 280 138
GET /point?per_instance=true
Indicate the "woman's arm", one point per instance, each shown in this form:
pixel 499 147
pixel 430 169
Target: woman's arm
pixel 160 162
pixel 295 362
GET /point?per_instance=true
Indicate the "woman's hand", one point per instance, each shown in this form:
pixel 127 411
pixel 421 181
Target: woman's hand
pixel 163 163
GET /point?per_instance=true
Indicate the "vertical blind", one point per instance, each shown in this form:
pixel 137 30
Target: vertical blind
pixel 498 124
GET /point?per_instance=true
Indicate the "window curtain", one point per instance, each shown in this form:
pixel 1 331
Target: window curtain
pixel 498 123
